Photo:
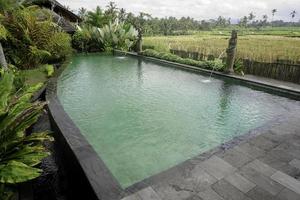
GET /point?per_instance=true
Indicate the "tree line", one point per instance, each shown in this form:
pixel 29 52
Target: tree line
pixel 174 26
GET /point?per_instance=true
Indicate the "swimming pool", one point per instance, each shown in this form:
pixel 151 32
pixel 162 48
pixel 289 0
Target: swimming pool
pixel 143 118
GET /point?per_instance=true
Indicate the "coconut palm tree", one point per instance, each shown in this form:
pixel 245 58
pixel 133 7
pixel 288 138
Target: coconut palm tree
pixel 96 18
pixel 293 14
pixel 273 14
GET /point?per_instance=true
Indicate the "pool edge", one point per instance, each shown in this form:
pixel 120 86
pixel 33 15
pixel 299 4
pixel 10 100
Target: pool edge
pixel 87 172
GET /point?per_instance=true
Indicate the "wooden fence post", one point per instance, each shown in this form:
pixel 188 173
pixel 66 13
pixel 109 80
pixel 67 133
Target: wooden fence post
pixel 231 53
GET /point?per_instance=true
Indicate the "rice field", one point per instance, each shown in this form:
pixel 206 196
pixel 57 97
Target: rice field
pixel 262 48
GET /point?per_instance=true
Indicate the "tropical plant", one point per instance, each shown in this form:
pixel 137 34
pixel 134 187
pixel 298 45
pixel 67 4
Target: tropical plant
pixel 86 39
pixel 33 38
pixel 96 18
pixel 118 35
pixel 20 153
pixel 3 35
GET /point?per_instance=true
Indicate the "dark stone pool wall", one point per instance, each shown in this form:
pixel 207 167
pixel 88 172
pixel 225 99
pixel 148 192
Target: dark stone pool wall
pixel 89 177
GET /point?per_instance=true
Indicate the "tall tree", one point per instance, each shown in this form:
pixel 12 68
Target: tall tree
pixel 293 14
pixel 111 11
pixel 82 12
pixel 251 17
pixel 273 13
pixel 122 15
pixel 96 17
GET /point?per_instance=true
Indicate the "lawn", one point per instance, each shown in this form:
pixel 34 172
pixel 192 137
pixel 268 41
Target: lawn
pixel 38 75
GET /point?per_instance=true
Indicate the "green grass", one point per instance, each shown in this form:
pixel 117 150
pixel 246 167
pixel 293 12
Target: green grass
pixel 268 45
pixel 34 76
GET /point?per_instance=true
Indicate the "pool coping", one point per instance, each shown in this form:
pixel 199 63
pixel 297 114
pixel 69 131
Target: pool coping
pixel 84 164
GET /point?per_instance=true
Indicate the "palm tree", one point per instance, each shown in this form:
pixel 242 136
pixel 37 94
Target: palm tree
pixel 82 13
pixel 293 14
pixel 273 14
pixel 96 17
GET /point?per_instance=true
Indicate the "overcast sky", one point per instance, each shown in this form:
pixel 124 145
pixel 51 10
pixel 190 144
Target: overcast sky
pixel 198 9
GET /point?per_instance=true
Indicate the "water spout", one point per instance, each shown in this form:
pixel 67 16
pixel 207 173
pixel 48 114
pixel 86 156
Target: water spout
pixel 212 71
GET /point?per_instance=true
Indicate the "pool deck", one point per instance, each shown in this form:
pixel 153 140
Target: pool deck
pixel 265 166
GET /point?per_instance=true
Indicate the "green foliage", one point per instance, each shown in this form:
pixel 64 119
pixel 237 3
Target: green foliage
pixel 19 152
pixel 59 45
pixel 33 38
pixel 216 64
pixel 95 18
pixel 117 35
pixel 86 39
pixel 3 32
pixel 239 66
pixel 49 69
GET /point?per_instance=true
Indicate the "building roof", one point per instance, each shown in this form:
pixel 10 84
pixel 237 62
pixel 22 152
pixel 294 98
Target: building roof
pixel 59 8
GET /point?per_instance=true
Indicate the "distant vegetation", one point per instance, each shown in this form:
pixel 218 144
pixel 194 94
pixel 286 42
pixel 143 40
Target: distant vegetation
pixel 261 38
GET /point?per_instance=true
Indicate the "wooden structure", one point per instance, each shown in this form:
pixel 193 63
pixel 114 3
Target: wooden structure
pixel 61 15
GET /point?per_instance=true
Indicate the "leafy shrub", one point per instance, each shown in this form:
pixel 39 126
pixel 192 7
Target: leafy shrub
pixel 33 38
pixel 239 66
pixel 19 153
pixel 86 39
pixel 117 35
pixel 49 69
pixel 59 45
pixel 217 64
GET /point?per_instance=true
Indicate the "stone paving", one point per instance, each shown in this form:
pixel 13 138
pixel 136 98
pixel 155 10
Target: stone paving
pixel 263 167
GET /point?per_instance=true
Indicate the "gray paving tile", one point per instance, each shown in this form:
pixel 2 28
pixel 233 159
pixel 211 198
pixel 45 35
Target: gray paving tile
pixel 287 181
pixel 262 168
pixel 217 167
pixel 148 194
pixel 281 165
pixel 186 184
pixel 235 158
pixel 240 182
pixel 263 143
pixel 295 163
pixel 228 191
pixel 209 194
pixel 199 179
pixel 132 197
pixel 258 193
pixel 172 192
pixel 261 180
pixel 250 150
pixel 195 197
pixel 287 194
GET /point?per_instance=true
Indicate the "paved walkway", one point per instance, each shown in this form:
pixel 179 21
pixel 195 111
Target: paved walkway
pixel 273 82
pixel 264 167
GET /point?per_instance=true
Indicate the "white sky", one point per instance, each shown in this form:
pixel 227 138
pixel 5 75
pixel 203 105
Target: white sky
pixel 198 9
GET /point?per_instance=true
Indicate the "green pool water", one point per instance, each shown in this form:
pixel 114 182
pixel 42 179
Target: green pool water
pixel 143 118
